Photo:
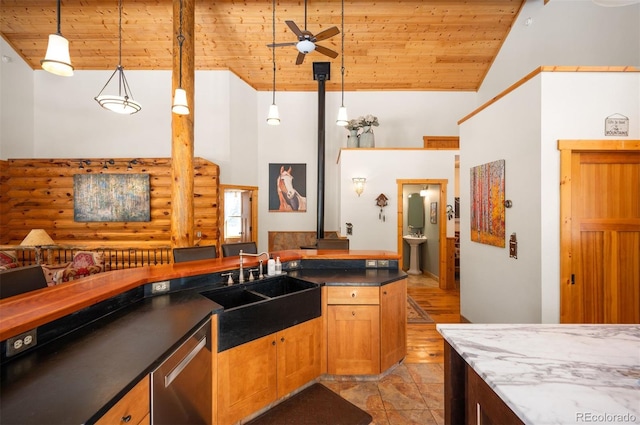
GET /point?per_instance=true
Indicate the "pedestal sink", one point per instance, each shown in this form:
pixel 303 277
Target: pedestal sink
pixel 414 242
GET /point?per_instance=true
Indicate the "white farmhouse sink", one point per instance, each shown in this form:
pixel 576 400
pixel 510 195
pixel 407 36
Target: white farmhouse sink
pixel 414 242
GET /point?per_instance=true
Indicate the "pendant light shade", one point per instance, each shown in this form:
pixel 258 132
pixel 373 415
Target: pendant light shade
pixel 57 59
pixel 121 103
pixel 273 118
pixel 343 118
pixel 180 104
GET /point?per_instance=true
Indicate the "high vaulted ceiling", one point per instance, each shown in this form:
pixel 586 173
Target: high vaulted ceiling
pixel 388 45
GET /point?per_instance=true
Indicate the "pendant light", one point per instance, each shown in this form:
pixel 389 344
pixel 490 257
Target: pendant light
pixel 273 118
pixel 342 112
pixel 180 105
pixel 122 103
pixel 57 59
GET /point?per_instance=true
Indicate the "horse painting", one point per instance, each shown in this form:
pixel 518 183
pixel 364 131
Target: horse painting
pixel 290 199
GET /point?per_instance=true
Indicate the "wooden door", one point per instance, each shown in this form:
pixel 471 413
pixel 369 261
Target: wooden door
pixel 353 334
pixel 393 323
pixel 600 241
pixel 298 355
pixel 246 379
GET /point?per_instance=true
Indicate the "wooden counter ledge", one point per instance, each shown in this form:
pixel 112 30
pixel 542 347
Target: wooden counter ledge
pixel 27 311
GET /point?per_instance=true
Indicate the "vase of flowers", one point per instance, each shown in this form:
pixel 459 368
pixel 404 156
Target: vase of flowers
pixel 367 139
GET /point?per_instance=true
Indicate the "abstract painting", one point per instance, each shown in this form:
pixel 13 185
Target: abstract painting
pixel 288 187
pixel 487 203
pixel 111 197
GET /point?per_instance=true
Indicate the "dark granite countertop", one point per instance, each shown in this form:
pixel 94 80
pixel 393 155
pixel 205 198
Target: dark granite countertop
pixel 349 277
pixel 76 378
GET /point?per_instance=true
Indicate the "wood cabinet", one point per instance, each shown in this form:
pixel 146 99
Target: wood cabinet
pixel 468 398
pixel 366 328
pixel 254 374
pixel 132 409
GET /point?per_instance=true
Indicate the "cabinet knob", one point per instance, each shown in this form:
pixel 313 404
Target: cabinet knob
pixel 273 343
pixel 353 295
pixel 126 419
pixel 282 339
pixel 384 293
pixel 353 313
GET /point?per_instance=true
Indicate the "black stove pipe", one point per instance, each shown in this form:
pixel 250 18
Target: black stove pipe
pixel 321 72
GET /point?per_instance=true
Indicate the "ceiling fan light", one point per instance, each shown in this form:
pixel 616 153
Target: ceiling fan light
pixel 274 116
pixel 305 46
pixel 342 116
pixel 57 59
pixel 180 104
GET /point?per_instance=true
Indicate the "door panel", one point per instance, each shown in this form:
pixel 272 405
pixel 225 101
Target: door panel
pixel 602 215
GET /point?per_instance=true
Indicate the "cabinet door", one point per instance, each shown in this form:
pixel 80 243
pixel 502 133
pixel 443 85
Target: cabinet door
pixel 485 407
pixel 133 408
pixel 393 323
pixel 353 332
pixel 298 355
pixel 246 379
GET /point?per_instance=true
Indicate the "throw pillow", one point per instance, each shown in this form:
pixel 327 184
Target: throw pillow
pixel 8 259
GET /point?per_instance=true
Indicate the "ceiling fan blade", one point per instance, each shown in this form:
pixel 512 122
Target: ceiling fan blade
pixel 300 58
pixel 293 43
pixel 326 51
pixel 329 32
pixel 292 25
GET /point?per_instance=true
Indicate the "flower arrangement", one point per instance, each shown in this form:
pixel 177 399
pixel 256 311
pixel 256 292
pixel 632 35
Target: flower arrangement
pixel 361 122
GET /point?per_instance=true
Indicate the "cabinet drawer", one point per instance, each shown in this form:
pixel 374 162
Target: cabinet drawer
pixel 131 409
pixel 353 295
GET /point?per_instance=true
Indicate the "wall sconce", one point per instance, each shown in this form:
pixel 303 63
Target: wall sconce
pixel 105 166
pixel 131 164
pixel 425 191
pixel 83 162
pixel 358 184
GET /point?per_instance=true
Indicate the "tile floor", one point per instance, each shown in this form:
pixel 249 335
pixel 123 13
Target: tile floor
pixel 407 395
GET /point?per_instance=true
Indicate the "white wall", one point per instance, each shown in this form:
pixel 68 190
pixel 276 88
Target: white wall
pixel 523 128
pixel 564 32
pixel 382 168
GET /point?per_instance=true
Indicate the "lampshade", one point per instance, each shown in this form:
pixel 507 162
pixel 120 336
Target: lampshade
pixel 57 59
pixel 180 105
pixel 119 104
pixel 358 184
pixel 342 116
pixel 37 237
pixel 305 46
pixel 274 116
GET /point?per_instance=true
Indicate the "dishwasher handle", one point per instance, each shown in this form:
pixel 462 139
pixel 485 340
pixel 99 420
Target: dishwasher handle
pixel 171 376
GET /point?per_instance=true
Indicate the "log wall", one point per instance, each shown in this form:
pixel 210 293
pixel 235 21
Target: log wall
pixel 38 193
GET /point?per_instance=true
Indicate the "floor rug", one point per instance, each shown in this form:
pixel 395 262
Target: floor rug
pixel 415 314
pixel 315 405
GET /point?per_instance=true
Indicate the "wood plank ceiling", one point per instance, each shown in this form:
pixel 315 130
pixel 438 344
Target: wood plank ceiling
pixel 388 45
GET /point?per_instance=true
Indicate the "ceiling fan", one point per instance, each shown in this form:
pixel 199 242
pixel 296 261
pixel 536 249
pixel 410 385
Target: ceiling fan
pixel 307 41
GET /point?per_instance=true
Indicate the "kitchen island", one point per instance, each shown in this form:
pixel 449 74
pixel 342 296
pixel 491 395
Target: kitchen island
pixel 541 374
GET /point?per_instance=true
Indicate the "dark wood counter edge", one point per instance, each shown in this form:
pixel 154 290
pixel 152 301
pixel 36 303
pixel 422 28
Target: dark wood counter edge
pixel 27 311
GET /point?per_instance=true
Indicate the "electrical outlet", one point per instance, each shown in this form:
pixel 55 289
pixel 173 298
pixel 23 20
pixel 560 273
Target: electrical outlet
pixel 160 287
pixel 293 265
pixel 383 263
pixel 371 264
pixel 21 342
pixel 198 234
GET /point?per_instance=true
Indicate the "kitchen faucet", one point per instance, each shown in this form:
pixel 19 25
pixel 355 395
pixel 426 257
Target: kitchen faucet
pixel 242 254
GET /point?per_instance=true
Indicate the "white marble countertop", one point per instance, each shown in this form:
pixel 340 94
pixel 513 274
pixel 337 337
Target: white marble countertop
pixel 556 374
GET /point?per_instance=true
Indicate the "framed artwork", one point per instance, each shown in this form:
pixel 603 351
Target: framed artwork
pixel 487 204
pixel 111 197
pixel 433 213
pixel 287 187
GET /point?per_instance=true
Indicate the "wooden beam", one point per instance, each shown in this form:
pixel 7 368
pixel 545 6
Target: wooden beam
pixel 182 165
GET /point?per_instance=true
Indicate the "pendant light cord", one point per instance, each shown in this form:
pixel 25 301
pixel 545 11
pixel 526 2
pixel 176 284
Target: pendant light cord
pixel 342 55
pixel 59 33
pixel 120 34
pixel 273 51
pixel 180 41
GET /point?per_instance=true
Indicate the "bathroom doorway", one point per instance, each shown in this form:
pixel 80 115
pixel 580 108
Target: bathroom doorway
pixel 435 216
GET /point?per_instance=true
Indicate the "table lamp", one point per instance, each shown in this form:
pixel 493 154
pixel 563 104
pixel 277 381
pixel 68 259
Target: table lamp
pixel 37 238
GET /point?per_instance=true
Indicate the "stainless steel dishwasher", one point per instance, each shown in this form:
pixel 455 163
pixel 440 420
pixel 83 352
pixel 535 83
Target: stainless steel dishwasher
pixel 181 385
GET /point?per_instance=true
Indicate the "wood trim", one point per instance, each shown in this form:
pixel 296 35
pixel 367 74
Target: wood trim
pixel 541 69
pixel 566 148
pixel 441 142
pixel 442 216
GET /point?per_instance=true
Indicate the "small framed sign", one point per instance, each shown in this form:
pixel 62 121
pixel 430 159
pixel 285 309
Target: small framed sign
pixel 616 125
